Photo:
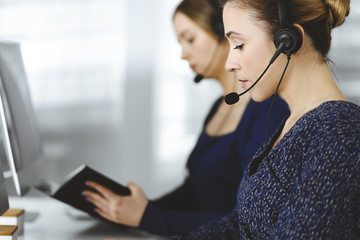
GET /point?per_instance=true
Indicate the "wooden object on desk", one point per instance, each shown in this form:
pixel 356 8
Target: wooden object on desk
pixel 14 217
pixel 8 232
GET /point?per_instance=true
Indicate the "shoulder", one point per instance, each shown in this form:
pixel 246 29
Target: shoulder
pixel 335 118
pixel 325 145
pixel 213 109
pixel 217 103
pixel 331 134
pixel 336 109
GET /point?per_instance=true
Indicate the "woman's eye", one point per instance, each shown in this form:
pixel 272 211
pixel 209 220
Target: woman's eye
pixel 239 47
pixel 190 40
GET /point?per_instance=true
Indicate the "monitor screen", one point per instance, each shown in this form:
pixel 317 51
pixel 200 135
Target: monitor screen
pixel 4 202
pixel 20 139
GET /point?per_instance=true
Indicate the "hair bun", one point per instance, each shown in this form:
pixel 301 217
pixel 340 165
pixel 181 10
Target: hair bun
pixel 338 11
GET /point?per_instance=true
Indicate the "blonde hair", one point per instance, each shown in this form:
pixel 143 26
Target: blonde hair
pixel 338 11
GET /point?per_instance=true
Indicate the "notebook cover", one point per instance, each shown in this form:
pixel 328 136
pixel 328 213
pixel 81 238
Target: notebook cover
pixel 70 191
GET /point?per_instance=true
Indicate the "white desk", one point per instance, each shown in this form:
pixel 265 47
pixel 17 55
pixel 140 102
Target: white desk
pixel 53 223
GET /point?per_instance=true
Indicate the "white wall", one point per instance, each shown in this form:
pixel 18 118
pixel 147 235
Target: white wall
pixel 345 53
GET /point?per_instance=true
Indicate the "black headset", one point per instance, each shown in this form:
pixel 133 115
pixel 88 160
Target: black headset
pixel 287 36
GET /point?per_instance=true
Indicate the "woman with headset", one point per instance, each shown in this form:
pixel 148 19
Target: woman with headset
pixel 229 138
pixel 304 183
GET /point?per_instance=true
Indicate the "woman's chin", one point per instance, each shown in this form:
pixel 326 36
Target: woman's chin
pixel 258 97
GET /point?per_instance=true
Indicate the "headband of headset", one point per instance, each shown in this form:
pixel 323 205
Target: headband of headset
pixel 286 34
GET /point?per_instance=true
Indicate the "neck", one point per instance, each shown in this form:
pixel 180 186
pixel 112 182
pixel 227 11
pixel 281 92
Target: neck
pixel 309 83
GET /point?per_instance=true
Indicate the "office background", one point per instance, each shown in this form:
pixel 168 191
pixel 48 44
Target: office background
pixel 110 90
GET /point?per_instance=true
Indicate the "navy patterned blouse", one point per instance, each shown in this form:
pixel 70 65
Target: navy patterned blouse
pixel 317 195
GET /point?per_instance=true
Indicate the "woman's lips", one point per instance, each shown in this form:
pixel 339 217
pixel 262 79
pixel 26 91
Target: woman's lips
pixel 243 83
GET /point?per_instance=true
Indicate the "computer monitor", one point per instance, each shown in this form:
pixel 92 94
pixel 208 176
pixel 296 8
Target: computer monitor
pixel 4 201
pixel 20 140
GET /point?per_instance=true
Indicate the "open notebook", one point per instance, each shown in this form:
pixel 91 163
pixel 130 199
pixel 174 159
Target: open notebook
pixel 70 188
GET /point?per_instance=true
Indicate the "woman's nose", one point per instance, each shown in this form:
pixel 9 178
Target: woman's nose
pixel 184 54
pixel 231 65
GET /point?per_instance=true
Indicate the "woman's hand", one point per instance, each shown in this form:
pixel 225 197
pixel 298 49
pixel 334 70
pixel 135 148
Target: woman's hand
pixel 127 210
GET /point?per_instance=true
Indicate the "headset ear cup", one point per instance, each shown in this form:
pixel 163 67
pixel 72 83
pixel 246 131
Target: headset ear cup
pixel 292 38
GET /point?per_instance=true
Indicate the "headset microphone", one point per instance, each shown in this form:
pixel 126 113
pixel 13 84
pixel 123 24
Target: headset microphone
pixel 234 97
pixel 198 78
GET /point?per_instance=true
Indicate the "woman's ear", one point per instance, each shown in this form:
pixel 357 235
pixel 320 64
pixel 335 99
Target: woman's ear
pixel 301 31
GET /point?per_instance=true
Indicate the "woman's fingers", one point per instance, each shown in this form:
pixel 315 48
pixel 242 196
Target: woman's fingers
pixel 101 189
